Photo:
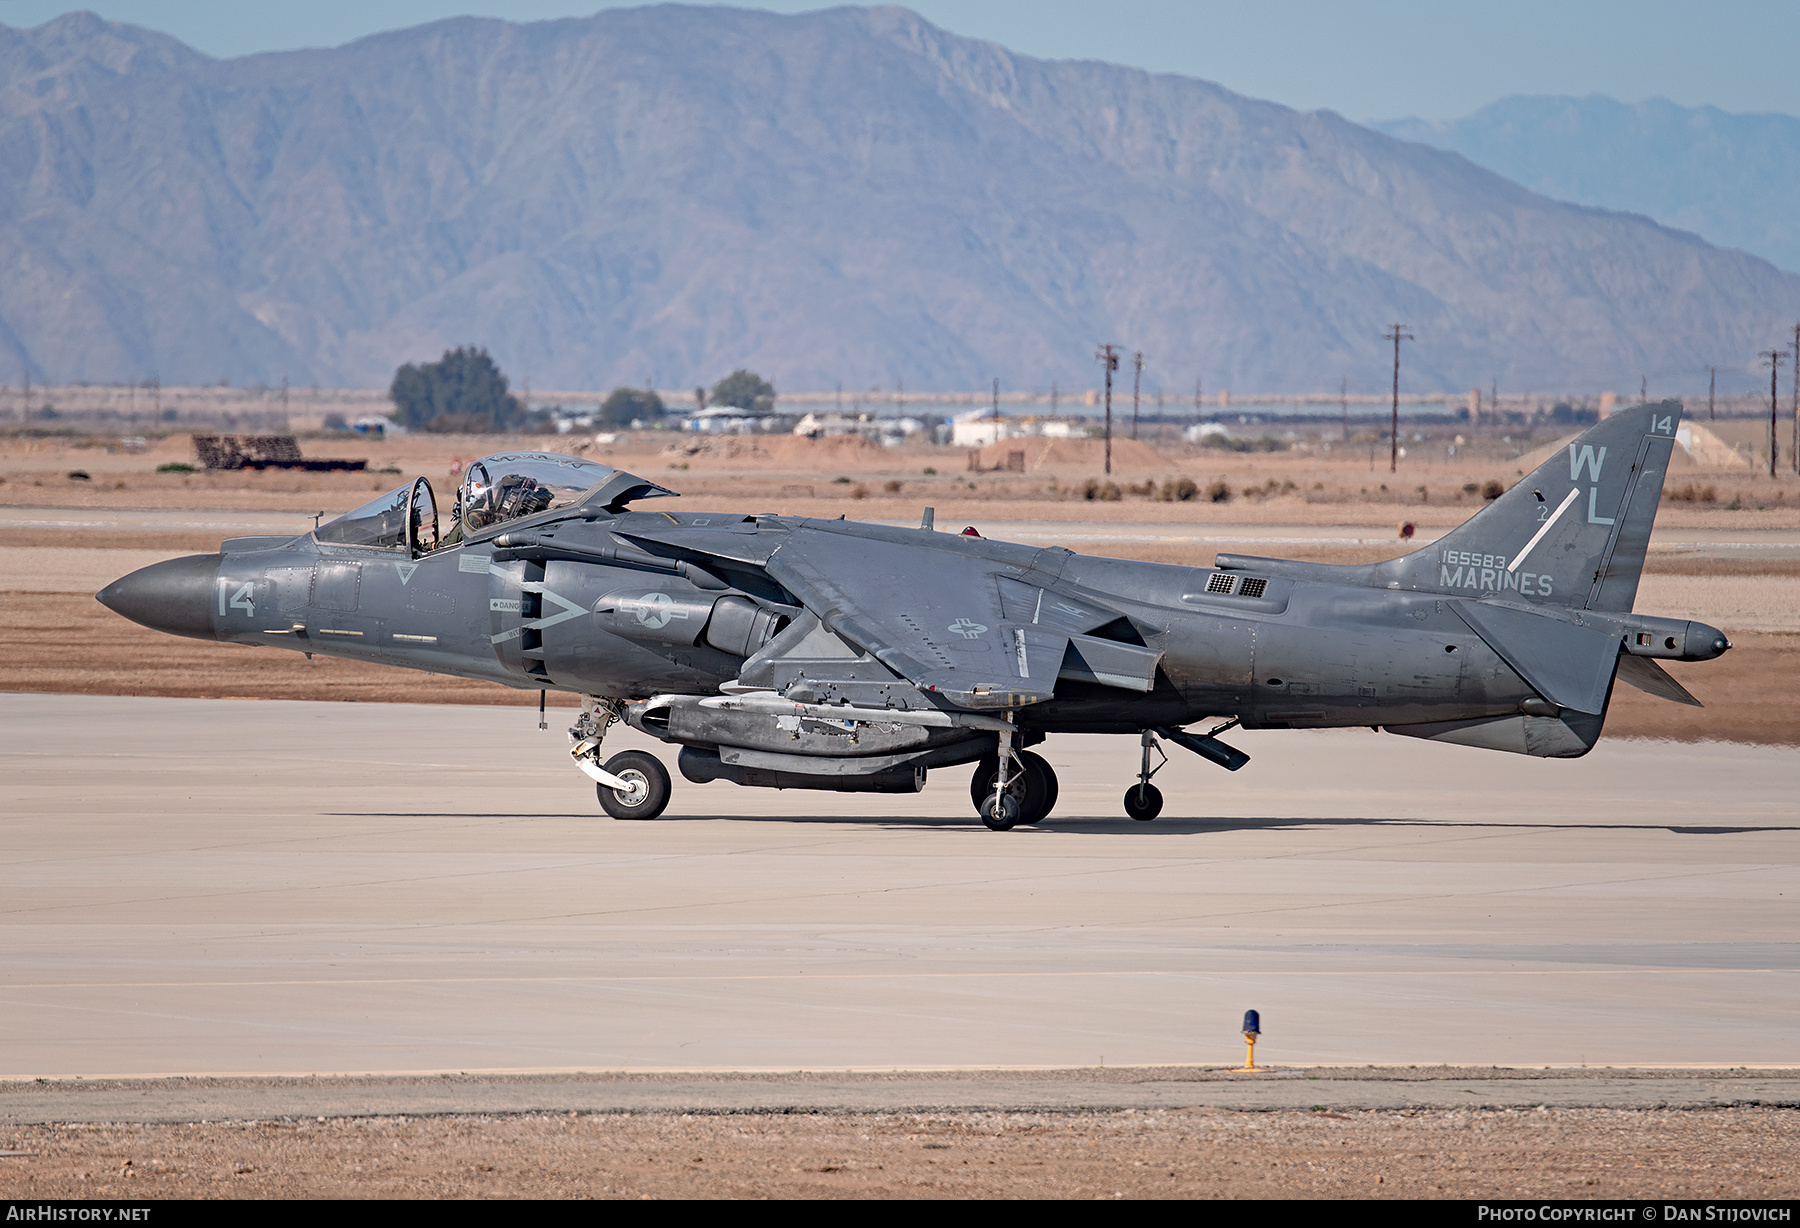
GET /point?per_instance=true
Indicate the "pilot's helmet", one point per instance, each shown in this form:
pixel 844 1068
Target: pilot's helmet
pixel 473 496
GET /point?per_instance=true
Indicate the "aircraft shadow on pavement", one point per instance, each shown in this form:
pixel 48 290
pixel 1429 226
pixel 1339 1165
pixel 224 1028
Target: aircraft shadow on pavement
pixel 1097 825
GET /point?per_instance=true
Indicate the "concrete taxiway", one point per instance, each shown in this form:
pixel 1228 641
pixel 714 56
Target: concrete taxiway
pixel 215 887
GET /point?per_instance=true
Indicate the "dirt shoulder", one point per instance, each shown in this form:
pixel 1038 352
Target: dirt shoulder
pixel 1603 1145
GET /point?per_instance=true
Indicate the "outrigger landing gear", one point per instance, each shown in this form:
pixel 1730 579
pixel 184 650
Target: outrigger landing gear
pixel 1144 801
pixel 633 784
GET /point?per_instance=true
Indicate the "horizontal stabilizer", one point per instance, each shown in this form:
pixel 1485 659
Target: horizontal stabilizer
pixel 1646 675
pixel 1569 665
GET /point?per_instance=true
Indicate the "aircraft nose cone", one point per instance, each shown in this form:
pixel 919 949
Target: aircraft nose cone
pixel 175 595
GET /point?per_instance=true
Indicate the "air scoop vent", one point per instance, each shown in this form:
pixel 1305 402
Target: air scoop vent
pixel 1253 586
pixel 1220 582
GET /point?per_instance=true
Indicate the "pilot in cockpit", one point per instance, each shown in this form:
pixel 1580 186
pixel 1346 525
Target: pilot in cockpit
pixel 510 487
pixel 495 489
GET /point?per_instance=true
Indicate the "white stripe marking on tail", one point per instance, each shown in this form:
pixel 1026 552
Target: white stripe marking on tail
pixel 1548 525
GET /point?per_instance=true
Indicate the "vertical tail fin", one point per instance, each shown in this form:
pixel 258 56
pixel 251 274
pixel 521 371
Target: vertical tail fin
pixel 1572 533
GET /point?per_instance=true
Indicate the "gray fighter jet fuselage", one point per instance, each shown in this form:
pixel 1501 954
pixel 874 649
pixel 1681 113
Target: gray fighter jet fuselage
pixel 829 654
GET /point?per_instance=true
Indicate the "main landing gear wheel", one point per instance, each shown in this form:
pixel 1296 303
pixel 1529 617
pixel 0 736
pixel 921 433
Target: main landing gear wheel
pixel 1052 790
pixel 1033 791
pixel 1143 802
pixel 648 793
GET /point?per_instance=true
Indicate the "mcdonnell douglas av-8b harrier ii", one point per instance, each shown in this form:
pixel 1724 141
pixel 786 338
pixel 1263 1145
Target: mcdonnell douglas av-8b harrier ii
pixel 824 654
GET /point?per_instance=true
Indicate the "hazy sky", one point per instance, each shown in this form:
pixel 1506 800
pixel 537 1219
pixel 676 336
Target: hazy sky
pixel 1383 59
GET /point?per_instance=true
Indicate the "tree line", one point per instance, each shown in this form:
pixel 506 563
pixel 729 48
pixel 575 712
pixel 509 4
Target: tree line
pixel 466 393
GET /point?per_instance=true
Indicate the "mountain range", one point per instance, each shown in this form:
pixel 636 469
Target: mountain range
pixel 847 197
pixel 1731 179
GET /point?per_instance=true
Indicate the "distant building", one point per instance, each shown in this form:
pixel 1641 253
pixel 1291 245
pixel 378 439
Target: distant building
pixel 889 432
pixel 1200 430
pixel 979 427
pixel 729 420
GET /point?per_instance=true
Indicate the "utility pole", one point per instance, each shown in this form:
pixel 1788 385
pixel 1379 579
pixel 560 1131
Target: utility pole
pixel 1643 390
pixel 1396 334
pixel 1198 412
pixel 1344 404
pixel 1109 362
pixel 1797 397
pixel 1053 398
pixel 1774 357
pixel 996 409
pixel 1137 378
pixel 1712 381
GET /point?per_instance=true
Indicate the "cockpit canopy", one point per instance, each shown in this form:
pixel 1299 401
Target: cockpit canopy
pixel 495 489
pixel 510 485
pixel 403 519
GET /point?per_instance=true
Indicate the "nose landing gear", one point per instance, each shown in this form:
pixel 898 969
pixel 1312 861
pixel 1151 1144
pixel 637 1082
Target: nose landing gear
pixel 633 784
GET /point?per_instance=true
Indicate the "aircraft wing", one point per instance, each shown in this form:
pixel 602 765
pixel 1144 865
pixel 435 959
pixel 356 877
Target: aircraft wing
pixel 940 612
pixel 934 617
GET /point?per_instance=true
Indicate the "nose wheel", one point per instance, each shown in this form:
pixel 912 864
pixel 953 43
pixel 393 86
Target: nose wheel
pixel 643 789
